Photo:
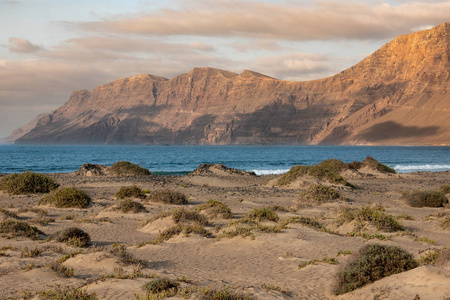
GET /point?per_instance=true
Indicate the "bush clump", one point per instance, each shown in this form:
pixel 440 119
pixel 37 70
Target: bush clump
pixel 375 216
pixel 320 193
pixel 183 215
pixel 128 205
pixel 426 199
pixel 67 197
pixel 66 293
pixel 121 168
pixel 161 285
pixel 224 293
pixel 216 208
pixel 130 191
pixel 371 263
pixel 262 214
pixel 376 165
pixel 329 170
pixel 12 228
pixel 445 189
pixel 27 182
pixel 74 236
pixel 169 197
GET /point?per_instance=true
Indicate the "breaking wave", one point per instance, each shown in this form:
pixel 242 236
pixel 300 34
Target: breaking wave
pixel 427 167
pixel 270 172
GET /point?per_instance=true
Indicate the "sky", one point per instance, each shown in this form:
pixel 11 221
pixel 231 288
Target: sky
pixel 50 48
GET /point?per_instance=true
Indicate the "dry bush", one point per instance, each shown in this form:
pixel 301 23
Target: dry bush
pixel 67 197
pixel 169 197
pixel 128 205
pixel 74 236
pixel 216 208
pixel 262 214
pixel 320 193
pixel 12 229
pixel 27 182
pixel 130 191
pixel 121 168
pixel 372 263
pixel 426 199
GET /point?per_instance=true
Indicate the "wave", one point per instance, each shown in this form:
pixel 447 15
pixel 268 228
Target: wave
pixel 270 172
pixel 427 167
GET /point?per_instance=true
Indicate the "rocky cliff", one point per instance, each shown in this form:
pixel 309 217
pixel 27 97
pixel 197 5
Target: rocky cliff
pixel 397 95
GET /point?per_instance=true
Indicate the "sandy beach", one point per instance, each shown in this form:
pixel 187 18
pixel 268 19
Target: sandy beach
pixel 267 259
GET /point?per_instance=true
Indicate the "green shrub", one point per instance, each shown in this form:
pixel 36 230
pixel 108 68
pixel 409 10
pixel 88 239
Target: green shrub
pixel 182 215
pixel 66 293
pixel 320 193
pixel 426 199
pixel 130 205
pixel 126 168
pixel 371 263
pixel 224 293
pixel 262 214
pixel 216 208
pixel 27 182
pixel 445 189
pixel 130 191
pixel 328 170
pixel 61 270
pixel 375 216
pixel 169 197
pixel 376 165
pixel 160 285
pixel 11 228
pixel 67 197
pixel 74 236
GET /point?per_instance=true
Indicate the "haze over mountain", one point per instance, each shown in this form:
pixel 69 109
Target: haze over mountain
pixel 396 96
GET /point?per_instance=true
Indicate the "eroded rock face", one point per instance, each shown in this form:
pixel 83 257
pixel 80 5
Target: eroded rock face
pixel 397 95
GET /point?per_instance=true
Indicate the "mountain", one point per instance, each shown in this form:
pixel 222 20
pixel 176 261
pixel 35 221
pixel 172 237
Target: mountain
pixel 396 96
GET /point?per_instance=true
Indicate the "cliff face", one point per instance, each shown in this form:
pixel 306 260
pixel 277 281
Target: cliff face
pixel 397 95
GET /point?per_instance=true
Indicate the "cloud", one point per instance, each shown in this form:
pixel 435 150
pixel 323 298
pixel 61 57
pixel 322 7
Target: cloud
pixel 293 20
pixel 251 45
pixel 295 66
pixel 22 46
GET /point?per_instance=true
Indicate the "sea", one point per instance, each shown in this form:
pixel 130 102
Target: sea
pixel 180 160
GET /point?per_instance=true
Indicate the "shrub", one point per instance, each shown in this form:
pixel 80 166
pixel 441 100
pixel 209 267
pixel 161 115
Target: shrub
pixel 379 219
pixel 371 263
pixel 130 205
pixel 183 215
pixel 320 193
pixel 61 270
pixel 130 191
pixel 445 189
pixel 445 223
pixel 11 228
pixel 27 182
pixel 67 197
pixel 426 199
pixel 160 285
pixel 216 208
pixel 375 164
pixel 292 174
pixel 124 257
pixel 224 293
pixel 261 214
pixel 169 197
pixel 126 168
pixel 74 236
pixel 66 293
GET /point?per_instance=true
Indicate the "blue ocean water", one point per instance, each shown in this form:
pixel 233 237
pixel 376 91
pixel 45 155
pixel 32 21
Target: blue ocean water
pixel 183 159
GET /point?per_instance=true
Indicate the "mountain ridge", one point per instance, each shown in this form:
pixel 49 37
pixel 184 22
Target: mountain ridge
pixel 396 96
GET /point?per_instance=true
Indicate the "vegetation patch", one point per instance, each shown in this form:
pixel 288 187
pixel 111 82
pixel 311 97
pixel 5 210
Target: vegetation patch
pixel 27 252
pixel 320 193
pixel 328 260
pixel 182 215
pixel 130 192
pixel 430 257
pixel 121 168
pixel 61 270
pixel 262 214
pixel 124 257
pixel 128 205
pixel 445 189
pixel 426 199
pixel 372 263
pixel 12 229
pixel 66 293
pixel 224 293
pixel 169 197
pixel 374 216
pixel 376 165
pixel 216 208
pixel 9 214
pixel 74 236
pixel 27 183
pixel 161 285
pixel 67 197
pixel 445 224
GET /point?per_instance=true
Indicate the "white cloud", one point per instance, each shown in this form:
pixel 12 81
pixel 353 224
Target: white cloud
pixel 22 46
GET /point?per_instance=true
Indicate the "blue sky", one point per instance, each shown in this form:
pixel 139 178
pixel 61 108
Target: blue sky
pixel 50 48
